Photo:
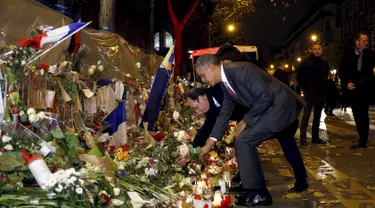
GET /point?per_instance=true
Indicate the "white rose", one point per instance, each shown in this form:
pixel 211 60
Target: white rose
pixel 117 202
pixel 176 115
pixel 6 138
pixel 33 118
pixel 59 188
pixel 31 111
pixel 51 195
pixel 184 150
pixel 101 68
pixel 8 147
pixel 138 65
pixel 41 115
pixel 79 190
pixel 116 191
pixel 181 135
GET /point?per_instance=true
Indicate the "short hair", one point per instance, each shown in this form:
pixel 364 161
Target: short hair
pixel 194 93
pixel 206 59
pixel 229 52
pixel 358 35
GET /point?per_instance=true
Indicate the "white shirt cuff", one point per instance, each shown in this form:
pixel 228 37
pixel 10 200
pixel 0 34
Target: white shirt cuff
pixel 212 138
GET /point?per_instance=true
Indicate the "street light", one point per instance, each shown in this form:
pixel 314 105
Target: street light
pixel 299 59
pixel 286 66
pixel 314 38
pixel 272 66
pixel 231 28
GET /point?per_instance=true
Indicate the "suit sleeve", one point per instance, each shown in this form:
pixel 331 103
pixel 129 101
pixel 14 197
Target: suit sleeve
pixel 223 118
pixel 255 85
pixel 203 134
pixel 343 71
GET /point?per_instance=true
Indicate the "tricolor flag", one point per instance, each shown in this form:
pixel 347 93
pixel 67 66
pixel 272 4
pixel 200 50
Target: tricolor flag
pixel 158 89
pixel 53 36
pixel 116 125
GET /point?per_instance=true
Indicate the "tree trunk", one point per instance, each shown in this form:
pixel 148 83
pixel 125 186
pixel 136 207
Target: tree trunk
pixel 178 31
pixel 107 14
pixel 178 52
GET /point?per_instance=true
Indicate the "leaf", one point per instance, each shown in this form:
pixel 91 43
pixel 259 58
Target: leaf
pixel 292 196
pixel 9 164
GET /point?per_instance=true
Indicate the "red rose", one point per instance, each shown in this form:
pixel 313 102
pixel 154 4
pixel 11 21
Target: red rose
pixel 159 136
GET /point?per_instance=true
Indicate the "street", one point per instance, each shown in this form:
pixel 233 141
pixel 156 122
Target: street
pixel 338 176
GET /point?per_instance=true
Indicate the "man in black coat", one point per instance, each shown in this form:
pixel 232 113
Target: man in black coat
pixel 357 75
pixel 312 76
pixel 274 110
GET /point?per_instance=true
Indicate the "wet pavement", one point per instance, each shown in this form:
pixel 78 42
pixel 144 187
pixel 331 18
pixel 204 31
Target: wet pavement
pixel 338 176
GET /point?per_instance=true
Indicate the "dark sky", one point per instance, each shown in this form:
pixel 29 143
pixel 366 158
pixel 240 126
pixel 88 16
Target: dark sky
pixel 266 26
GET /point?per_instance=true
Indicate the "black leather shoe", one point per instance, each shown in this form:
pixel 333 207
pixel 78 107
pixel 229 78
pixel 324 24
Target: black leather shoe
pixel 299 186
pixel 318 141
pixel 255 199
pixel 358 145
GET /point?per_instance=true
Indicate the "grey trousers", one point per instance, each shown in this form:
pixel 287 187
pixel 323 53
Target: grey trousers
pixel 250 167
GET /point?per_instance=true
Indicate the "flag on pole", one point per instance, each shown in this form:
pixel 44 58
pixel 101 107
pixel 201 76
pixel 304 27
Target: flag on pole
pixel 158 89
pixel 116 125
pixel 52 36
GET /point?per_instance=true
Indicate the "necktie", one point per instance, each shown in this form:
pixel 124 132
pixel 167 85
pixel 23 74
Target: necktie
pixel 231 92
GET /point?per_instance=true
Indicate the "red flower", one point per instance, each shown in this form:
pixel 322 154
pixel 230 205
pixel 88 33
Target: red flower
pixel 54 169
pixel 150 162
pixel 159 136
pixel 106 198
pixel 125 147
pixel 3 177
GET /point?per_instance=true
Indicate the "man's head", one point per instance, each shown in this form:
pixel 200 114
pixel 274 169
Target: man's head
pixel 197 99
pixel 317 50
pixel 208 69
pixel 361 41
pixel 227 53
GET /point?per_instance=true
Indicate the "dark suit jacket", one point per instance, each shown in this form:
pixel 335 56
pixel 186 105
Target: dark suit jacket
pixel 211 116
pixel 312 76
pixel 273 105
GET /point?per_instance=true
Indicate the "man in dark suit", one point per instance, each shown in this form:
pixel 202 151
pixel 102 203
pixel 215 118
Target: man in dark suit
pixel 274 109
pixel 312 76
pixel 356 74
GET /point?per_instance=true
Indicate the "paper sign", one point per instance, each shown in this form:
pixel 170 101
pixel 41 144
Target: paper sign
pixel 87 93
pixel 90 105
pixel 50 98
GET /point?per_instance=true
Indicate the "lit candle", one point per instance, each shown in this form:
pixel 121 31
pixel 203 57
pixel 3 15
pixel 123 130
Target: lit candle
pixel 217 199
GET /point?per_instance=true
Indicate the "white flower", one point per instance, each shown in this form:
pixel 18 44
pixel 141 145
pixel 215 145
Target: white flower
pixel 91 71
pixel 138 65
pixel 8 147
pixel 59 188
pixel 101 68
pixel 181 135
pixel 51 195
pixel 116 191
pixel 33 118
pixel 22 113
pixel 41 72
pixel 79 190
pixel 176 115
pixel 41 115
pixel 175 134
pixel 117 202
pixel 23 63
pixel 52 182
pixel 99 62
pixel 6 138
pixel 184 150
pixel 31 111
pixel 81 181
pixel 150 171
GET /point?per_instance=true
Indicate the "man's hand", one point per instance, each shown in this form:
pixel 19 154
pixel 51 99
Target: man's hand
pixel 239 129
pixel 206 149
pixel 351 86
pixel 182 160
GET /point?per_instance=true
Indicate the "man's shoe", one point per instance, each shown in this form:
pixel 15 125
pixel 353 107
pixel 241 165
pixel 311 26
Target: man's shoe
pixel 254 198
pixel 299 186
pixel 318 141
pixel 358 145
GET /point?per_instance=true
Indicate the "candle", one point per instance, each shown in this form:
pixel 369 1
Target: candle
pixel 40 171
pixel 222 186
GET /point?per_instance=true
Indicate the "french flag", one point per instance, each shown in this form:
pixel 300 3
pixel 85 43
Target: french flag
pixel 158 89
pixel 54 36
pixel 116 125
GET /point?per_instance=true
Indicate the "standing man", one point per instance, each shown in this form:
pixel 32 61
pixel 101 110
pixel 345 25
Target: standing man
pixel 356 71
pixel 312 76
pixel 274 110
